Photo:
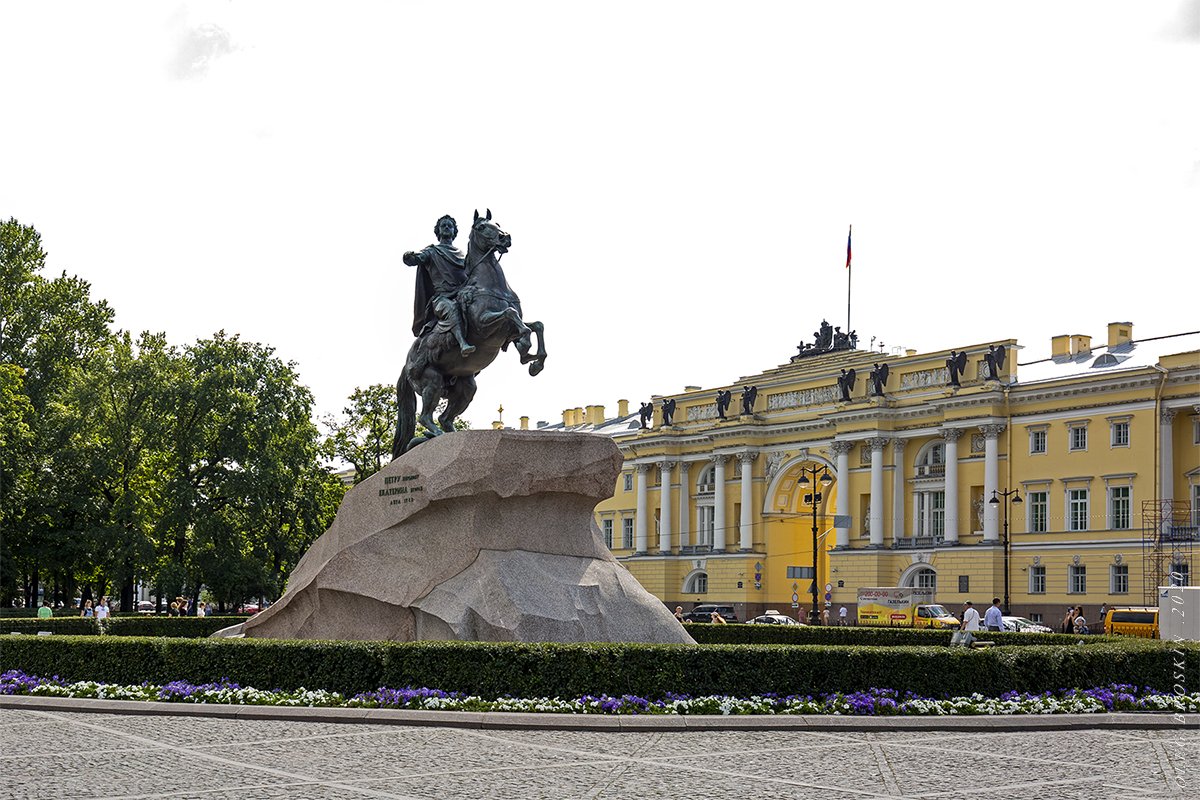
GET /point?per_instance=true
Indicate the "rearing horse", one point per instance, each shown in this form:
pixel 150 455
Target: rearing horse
pixel 436 370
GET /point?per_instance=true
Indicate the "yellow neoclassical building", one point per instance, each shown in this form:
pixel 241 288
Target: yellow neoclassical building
pixel 1090 451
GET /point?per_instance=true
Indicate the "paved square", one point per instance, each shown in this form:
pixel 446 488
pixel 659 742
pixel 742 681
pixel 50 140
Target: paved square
pixel 45 754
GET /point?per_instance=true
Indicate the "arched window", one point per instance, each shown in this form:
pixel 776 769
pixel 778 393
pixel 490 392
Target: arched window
pixel 931 461
pixel 922 578
pixel 696 583
pixel 705 519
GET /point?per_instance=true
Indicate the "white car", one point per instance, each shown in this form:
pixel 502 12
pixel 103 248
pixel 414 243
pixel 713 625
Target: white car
pixel 772 618
pixel 1024 625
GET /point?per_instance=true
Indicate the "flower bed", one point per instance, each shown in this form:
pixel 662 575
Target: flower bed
pixel 873 702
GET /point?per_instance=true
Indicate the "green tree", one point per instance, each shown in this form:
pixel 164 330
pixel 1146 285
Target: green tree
pixel 363 436
pixel 49 328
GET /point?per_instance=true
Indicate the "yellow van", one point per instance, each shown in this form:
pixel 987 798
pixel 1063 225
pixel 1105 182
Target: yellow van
pixel 1132 621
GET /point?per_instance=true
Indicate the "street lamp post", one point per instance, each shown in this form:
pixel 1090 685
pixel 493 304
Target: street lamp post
pixel 1016 498
pixel 813 498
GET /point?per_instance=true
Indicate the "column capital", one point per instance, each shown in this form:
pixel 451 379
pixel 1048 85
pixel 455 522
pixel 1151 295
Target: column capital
pixel 642 468
pixel 877 442
pixel 747 456
pixel 719 459
pixel 1167 415
pixel 952 434
pixel 898 444
pixel 666 465
pixel 992 431
pixel 841 446
pixel 683 467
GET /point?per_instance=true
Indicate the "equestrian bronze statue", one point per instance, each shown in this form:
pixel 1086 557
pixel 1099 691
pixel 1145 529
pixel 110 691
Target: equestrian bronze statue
pixel 465 313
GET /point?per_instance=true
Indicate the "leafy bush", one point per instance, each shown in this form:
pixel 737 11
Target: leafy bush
pixel 567 670
pixel 122 626
pixel 877 637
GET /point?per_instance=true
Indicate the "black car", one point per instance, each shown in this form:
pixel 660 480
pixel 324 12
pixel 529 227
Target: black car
pixel 703 613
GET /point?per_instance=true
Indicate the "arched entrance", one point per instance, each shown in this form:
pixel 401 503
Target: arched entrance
pixel 799 498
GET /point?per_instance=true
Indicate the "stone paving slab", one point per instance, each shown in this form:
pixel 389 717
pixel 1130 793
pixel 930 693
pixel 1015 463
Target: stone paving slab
pixel 601 722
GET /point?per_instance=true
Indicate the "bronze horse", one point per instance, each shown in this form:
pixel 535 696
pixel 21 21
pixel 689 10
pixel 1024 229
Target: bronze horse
pixel 436 369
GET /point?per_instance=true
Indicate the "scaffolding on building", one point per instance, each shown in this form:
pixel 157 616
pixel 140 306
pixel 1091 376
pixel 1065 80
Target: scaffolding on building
pixel 1169 532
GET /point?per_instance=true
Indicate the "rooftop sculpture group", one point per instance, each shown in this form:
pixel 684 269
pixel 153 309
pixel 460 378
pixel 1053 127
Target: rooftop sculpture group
pixel 826 340
pixel 465 313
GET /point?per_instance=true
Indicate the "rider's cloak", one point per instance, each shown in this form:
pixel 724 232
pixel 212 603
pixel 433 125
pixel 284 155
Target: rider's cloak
pixel 442 272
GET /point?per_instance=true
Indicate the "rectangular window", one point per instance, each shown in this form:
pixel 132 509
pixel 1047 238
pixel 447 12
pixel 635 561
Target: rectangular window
pixel 964 584
pixel 1196 504
pixel 606 526
pixel 1119 508
pixel 938 515
pixel 1037 579
pixel 1077 579
pixel 628 481
pixel 1120 434
pixel 1118 579
pixel 1038 509
pixel 704 518
pixel 1037 441
pixel 627 533
pixel 1181 574
pixel 1077 509
pixel 1035 617
pixel 1078 437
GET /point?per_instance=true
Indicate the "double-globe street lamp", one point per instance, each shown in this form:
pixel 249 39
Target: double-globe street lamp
pixel 813 498
pixel 1016 499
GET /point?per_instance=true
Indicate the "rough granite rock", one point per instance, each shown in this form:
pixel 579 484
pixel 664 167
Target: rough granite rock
pixel 475 535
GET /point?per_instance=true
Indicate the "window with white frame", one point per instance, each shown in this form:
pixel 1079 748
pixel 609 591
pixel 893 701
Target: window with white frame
pixel 628 481
pixel 1077 579
pixel 704 525
pixel 930 513
pixel 1077 436
pixel 1181 574
pixel 1077 509
pixel 1119 508
pixel 627 533
pixel 1196 503
pixel 1037 441
pixel 1037 579
pixel 696 584
pixel 1037 507
pixel 606 525
pixel 1118 579
pixel 931 461
pixel 925 578
pixel 1120 433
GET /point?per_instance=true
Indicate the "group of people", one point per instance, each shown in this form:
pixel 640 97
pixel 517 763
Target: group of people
pixel 993 618
pixel 179 608
pixel 99 610
pixel 1075 622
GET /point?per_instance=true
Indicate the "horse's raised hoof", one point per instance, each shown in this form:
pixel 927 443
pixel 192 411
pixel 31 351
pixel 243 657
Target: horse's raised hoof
pixel 466 351
pixel 536 367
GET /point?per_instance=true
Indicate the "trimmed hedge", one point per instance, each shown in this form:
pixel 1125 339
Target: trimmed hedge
pixel 122 626
pixel 565 670
pixel 705 633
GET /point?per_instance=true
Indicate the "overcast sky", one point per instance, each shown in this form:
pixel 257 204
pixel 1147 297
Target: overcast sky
pixel 678 177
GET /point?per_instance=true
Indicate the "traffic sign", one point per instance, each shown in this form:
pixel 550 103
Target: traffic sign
pixel 795 597
pixel 829 587
pixel 828 596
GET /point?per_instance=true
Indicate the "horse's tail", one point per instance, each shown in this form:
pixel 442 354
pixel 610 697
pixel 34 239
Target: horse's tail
pixel 406 415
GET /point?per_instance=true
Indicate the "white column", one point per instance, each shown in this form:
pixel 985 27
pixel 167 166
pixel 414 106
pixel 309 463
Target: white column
pixel 877 444
pixel 918 500
pixel 898 490
pixel 719 503
pixel 642 531
pixel 685 506
pixel 664 500
pixel 746 523
pixel 1166 451
pixel 991 481
pixel 952 435
pixel 842 452
pixel 926 516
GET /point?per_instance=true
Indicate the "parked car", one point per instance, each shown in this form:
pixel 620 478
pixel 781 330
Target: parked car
pixel 703 613
pixel 1132 621
pixel 145 607
pixel 934 616
pixel 773 617
pixel 1024 625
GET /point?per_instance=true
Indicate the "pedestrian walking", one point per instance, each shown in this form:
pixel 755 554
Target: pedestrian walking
pixel 101 610
pixel 842 616
pixel 45 612
pixel 87 609
pixel 1068 623
pixel 970 621
pixel 993 618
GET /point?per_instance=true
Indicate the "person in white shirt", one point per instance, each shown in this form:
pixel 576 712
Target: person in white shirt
pixel 993 618
pixel 102 609
pixel 970 620
pixel 842 615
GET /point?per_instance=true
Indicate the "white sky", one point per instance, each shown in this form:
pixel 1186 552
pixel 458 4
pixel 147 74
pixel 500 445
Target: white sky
pixel 677 176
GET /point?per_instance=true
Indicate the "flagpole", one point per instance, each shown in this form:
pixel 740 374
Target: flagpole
pixel 849 274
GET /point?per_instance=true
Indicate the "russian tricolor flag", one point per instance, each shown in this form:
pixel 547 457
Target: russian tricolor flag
pixel 848 235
